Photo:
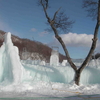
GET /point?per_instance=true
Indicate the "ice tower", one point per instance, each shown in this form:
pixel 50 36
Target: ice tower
pixel 10 65
pixel 54 58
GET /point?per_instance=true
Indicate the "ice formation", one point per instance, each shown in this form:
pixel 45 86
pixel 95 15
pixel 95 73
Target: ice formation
pixel 29 76
pixel 64 62
pixel 42 63
pixel 11 68
pixel 54 58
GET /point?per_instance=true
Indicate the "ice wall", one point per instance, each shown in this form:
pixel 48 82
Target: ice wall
pixel 63 73
pixel 10 66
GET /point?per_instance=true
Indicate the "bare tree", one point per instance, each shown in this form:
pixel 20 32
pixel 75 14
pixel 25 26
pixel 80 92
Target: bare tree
pixel 60 21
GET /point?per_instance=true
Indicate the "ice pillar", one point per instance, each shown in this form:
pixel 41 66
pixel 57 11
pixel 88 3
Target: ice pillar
pixel 54 58
pixel 11 68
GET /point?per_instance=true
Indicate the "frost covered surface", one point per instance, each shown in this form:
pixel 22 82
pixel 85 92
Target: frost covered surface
pixel 22 79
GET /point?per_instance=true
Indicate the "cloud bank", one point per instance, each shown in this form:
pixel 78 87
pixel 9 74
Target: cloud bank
pixel 74 39
pixel 77 40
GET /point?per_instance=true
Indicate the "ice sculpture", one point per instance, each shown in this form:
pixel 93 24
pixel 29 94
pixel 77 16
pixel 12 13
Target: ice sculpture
pixel 42 63
pixel 64 62
pixel 10 65
pixel 54 58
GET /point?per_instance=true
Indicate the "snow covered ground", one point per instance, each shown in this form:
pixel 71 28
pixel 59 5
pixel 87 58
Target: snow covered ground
pixel 29 80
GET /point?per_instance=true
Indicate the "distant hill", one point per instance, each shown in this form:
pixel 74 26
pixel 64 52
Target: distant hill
pixel 29 49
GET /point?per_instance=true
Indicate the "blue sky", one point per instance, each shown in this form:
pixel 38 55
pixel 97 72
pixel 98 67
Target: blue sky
pixel 26 19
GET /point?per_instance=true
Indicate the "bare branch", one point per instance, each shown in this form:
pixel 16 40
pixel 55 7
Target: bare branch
pixel 45 8
pixel 56 14
pixel 63 22
pixel 87 3
pixel 91 6
pixel 46 4
pixel 59 20
pixel 92 13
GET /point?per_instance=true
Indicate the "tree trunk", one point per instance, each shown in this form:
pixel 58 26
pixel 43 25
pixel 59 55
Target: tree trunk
pixel 77 77
pixel 78 72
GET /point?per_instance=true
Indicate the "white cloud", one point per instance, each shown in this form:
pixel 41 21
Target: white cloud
pixel 33 30
pixel 43 33
pixel 74 39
